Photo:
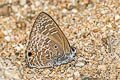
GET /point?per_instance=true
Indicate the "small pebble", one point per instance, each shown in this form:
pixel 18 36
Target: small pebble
pixel 33 7
pixel 22 2
pixel 37 3
pixel 64 10
pixel 2 34
pixel 118 65
pixel 19 15
pixel 9 1
pixel 118 26
pixel 46 7
pixel 74 2
pixel 77 74
pixel 7 32
pixel 117 17
pixel 21 46
pixel 109 25
pixel 18 47
pixel 102 67
pixel 80 64
pixel 81 58
pixel 70 78
pixel 11 75
pixel 74 10
pixel 7 38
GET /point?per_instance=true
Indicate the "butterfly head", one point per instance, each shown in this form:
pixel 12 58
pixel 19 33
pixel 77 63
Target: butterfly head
pixel 73 51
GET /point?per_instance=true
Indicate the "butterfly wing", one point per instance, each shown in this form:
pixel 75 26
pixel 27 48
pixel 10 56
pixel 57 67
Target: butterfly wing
pixel 47 42
pixel 45 25
pixel 45 52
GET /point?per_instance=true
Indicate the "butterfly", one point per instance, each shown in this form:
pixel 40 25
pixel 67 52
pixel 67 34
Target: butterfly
pixel 47 45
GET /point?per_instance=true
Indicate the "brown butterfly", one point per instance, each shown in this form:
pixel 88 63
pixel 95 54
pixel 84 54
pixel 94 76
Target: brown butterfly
pixel 47 45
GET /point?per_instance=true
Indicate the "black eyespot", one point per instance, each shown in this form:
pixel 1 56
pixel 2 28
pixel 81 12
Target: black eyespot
pixel 55 47
pixel 29 54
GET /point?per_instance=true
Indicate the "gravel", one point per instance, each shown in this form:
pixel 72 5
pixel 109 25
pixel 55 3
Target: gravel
pixel 92 26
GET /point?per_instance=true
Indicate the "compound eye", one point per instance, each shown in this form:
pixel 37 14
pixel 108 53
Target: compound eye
pixel 73 49
pixel 30 54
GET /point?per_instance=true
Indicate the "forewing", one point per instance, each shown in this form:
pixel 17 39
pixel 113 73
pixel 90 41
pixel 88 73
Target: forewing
pixel 45 25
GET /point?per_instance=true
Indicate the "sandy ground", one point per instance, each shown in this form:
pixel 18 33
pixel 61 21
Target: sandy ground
pixel 92 26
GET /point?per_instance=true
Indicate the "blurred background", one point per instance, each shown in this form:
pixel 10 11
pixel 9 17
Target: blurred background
pixel 92 26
